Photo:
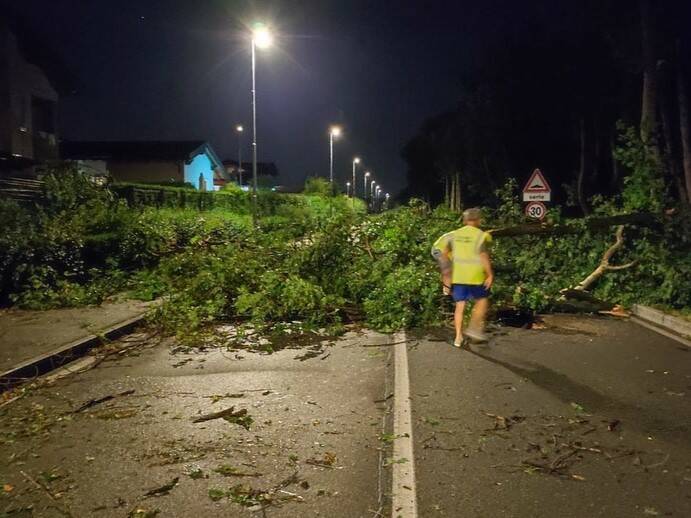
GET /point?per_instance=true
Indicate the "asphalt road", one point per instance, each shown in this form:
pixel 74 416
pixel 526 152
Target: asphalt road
pixel 312 448
pixel 588 417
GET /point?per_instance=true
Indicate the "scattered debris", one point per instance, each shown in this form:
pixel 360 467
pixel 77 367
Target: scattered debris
pixel 163 490
pixel 98 401
pixel 230 471
pixel 195 472
pixel 505 423
pixel 327 461
pixel 229 414
pixel 215 398
pixel 612 425
pixel 59 505
pixel 143 513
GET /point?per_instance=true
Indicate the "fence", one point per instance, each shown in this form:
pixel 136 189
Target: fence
pixel 21 189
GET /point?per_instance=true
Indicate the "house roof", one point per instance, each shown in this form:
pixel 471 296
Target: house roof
pixel 146 151
pixel 263 168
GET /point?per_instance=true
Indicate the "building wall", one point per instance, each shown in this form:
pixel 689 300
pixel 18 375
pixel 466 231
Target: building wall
pixel 201 164
pixel 159 172
pixel 25 85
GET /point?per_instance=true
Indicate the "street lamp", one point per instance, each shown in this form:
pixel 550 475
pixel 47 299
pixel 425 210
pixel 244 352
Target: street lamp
pixel 334 133
pixel 347 188
pixel 262 39
pixel 356 161
pixel 364 191
pixel 372 187
pixel 239 130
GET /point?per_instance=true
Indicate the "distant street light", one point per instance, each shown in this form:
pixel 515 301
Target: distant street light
pixel 239 130
pixel 262 39
pixel 372 187
pixel 356 161
pixel 334 132
pixel 347 188
pixel 364 191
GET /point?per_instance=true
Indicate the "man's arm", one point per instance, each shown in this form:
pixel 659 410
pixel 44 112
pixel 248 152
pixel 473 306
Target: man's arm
pixel 489 273
pixel 441 251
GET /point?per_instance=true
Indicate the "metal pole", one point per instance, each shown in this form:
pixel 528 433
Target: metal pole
pixel 331 157
pixel 364 188
pixel 354 182
pixel 254 130
pixel 240 158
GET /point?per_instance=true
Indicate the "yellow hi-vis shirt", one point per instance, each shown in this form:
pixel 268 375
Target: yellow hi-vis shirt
pixel 464 247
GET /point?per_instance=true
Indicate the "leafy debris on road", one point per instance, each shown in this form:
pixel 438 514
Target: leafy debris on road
pixel 327 461
pixel 143 513
pixel 259 499
pixel 230 471
pixel 164 489
pixel 229 414
pixel 98 401
pixel 215 398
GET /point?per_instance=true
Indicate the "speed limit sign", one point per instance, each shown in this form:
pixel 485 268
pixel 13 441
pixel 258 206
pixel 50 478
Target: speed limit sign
pixel 536 210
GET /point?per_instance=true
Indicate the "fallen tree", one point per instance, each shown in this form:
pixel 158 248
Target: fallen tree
pixel 644 219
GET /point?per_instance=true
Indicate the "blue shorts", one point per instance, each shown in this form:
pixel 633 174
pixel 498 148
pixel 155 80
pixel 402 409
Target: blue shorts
pixel 463 292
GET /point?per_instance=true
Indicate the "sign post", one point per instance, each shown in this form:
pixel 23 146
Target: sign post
pixel 536 191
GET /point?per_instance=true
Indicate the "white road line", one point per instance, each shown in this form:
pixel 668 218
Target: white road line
pixel 403 494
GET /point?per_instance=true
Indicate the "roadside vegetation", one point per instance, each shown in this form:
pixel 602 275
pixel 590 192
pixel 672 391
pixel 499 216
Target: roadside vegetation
pixel 317 259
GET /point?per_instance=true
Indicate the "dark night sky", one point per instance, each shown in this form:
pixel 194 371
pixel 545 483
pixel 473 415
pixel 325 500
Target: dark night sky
pixel 180 69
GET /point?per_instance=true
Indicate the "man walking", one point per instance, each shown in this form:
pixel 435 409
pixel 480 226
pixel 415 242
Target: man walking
pixel 466 271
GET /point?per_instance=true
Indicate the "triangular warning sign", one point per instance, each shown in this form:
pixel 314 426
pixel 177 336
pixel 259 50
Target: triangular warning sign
pixel 537 183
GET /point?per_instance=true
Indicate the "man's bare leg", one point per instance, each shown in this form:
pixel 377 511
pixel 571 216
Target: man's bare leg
pixel 458 321
pixel 476 329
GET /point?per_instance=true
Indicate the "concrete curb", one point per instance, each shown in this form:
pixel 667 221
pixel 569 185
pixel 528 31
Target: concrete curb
pixel 663 320
pixel 49 361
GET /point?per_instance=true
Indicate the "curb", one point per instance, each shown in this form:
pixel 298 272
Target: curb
pixel 660 319
pixel 49 361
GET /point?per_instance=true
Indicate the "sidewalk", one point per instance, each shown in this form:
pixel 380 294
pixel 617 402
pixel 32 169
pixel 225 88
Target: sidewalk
pixel 28 334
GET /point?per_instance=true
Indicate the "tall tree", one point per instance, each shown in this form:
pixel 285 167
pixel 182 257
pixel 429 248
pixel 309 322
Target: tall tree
pixel 684 130
pixel 649 97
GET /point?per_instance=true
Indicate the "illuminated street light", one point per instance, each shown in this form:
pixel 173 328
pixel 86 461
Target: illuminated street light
pixel 347 188
pixel 239 130
pixel 364 190
pixel 334 132
pixel 261 38
pixel 356 161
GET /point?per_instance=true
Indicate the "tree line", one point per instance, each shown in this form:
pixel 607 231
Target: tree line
pixel 568 95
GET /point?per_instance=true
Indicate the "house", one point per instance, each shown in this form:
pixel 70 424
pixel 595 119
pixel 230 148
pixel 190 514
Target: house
pixel 267 173
pixel 159 162
pixel 31 82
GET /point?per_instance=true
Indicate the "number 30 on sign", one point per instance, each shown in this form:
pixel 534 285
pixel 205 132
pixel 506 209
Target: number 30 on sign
pixel 536 210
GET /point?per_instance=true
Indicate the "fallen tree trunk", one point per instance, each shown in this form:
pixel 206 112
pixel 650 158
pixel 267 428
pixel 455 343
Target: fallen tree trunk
pixel 604 263
pixel 603 223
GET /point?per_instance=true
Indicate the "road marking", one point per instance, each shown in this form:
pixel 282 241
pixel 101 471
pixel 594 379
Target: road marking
pixel 403 494
pixel 661 331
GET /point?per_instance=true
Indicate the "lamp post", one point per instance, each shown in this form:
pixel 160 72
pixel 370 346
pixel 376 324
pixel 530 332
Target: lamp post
pixel 334 132
pixel 347 188
pixel 262 39
pixel 356 161
pixel 364 190
pixel 239 130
